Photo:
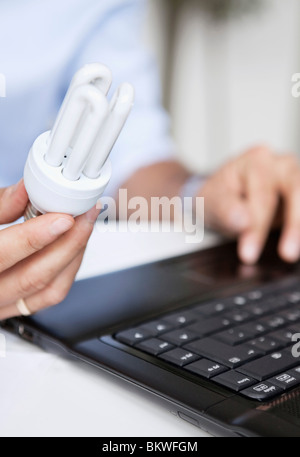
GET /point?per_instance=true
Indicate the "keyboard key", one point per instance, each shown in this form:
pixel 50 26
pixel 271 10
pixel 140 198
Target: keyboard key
pixel 291 315
pixel 179 319
pixel 261 308
pixel 273 322
pixel 262 391
pixel 206 326
pixel 258 309
pixel 286 380
pixel 293 297
pixel 239 300
pixel 285 334
pixel 276 302
pixel 269 365
pixel 210 309
pixel 230 356
pixel 154 346
pixel 180 336
pixel 206 368
pixel 219 306
pixel 179 356
pixel 238 315
pixel 233 336
pixel 234 380
pixel 266 344
pixel 253 329
pixel 254 295
pixel 132 336
pixel 156 327
pixel 295 371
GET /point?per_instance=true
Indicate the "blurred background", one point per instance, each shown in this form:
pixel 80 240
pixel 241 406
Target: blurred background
pixel 226 69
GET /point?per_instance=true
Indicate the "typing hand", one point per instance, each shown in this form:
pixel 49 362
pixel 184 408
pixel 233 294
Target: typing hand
pixel 251 193
pixel 39 258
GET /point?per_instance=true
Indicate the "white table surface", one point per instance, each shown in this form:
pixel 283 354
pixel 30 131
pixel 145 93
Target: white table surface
pixel 44 395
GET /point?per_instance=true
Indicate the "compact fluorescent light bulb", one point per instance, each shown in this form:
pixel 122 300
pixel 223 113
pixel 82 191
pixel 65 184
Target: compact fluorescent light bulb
pixel 84 133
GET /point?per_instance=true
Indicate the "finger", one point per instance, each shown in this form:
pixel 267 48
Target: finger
pixel 23 240
pixel 13 201
pixel 262 200
pixel 58 289
pixel 225 208
pixel 36 272
pixel 289 244
pixel 53 294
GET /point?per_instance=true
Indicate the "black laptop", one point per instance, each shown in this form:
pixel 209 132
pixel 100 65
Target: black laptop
pixel 211 338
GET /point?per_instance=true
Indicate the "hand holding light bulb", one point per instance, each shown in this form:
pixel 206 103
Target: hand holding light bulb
pixel 39 258
pixel 66 172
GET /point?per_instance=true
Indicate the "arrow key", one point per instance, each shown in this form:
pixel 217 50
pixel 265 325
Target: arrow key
pixel 132 336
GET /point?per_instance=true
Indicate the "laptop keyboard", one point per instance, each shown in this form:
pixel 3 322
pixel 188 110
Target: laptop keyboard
pixel 242 342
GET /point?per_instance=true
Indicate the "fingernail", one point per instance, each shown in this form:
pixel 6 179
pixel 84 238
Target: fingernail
pixel 92 215
pixel 249 252
pixel 60 226
pixel 291 250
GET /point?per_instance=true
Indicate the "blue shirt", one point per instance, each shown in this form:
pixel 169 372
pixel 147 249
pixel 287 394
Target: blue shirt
pixel 43 43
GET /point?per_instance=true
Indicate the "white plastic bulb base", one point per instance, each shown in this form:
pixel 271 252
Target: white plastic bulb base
pixel 50 192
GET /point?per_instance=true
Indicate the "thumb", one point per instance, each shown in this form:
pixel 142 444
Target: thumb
pixel 13 201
